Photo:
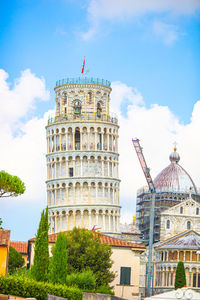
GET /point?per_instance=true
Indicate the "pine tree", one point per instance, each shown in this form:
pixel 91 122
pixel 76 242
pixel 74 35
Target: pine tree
pixel 180 279
pixel 58 266
pixel 41 255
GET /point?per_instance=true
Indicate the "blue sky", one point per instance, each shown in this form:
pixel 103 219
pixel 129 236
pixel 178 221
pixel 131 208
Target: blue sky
pixel 152 48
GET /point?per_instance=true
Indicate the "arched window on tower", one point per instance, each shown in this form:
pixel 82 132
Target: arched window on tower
pixel 77 107
pixel 197 211
pixel 90 97
pixel 77 139
pixel 188 225
pixel 98 109
pixel 181 210
pixel 168 224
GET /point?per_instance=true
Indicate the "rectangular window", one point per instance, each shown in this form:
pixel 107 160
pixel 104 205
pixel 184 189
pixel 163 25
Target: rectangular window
pixel 125 275
pixel 194 280
pixel 198 280
pixel 71 172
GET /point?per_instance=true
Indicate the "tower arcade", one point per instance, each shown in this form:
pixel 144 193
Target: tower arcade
pixel 82 158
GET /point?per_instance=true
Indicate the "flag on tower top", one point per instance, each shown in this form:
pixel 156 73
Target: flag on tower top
pixel 83 66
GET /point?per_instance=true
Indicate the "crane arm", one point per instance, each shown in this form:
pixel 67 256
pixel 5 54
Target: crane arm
pixel 146 170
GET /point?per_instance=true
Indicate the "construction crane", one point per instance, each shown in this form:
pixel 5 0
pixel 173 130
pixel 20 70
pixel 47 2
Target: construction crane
pixel 146 170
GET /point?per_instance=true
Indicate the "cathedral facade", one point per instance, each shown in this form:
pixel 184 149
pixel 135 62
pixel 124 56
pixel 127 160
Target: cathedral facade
pixel 82 158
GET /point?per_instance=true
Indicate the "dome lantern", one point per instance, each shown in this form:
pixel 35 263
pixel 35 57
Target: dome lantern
pixel 174 157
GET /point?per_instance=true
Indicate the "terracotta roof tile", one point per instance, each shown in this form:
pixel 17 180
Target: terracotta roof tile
pixel 4 237
pixel 104 239
pixel 21 247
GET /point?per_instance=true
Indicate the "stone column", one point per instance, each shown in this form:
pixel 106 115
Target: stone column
pixel 97 218
pixel 74 191
pixel 81 140
pixel 114 228
pixel 61 221
pixel 82 221
pixel 55 169
pixel 102 167
pixel 73 139
pixel 60 140
pixel 74 215
pixel 55 192
pixel 55 222
pixel 74 166
pixel 67 194
pixel 67 220
pixel 81 166
pixel 95 140
pixel 89 215
pixel 104 221
pixel 89 193
pixel 108 149
pixel 109 216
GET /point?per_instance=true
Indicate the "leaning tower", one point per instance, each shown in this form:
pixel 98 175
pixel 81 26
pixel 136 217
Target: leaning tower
pixel 82 158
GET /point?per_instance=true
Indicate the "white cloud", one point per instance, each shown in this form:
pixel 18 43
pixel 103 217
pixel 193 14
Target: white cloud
pixel 119 10
pixel 166 32
pixel 22 144
pixel 157 128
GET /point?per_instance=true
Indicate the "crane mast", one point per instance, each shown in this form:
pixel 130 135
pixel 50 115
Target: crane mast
pixel 146 170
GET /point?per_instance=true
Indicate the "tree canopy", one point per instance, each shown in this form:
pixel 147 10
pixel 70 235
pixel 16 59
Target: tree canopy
pixel 10 186
pixel 85 251
pixel 58 265
pixel 40 266
pixel 180 279
pixel 15 260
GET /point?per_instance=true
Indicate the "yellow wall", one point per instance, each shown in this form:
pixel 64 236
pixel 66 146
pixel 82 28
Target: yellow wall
pixel 3 260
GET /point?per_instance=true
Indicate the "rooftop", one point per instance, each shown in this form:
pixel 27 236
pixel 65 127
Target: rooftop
pixel 21 247
pixel 90 80
pixel 4 237
pixel 186 240
pixel 105 239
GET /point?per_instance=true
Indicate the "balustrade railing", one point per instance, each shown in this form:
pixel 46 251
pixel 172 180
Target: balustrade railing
pixel 83 80
pixel 82 117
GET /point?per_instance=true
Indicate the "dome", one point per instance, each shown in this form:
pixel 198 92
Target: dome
pixel 174 178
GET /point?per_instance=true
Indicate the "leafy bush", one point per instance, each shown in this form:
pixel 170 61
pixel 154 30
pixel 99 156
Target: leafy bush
pixel 85 280
pixel 23 272
pixel 28 288
pixel 85 251
pixel 15 260
pixel 104 289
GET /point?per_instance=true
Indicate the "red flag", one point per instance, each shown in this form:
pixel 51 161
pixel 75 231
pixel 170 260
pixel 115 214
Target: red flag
pixel 83 66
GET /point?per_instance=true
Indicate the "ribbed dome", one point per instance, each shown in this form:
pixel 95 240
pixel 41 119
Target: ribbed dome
pixel 174 178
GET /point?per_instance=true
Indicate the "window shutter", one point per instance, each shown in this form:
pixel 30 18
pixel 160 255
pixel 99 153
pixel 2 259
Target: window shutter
pixel 125 275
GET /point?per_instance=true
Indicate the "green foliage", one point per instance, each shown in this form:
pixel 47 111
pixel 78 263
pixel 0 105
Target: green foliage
pixel 15 260
pixel 41 256
pixel 85 251
pixel 180 279
pixel 104 289
pixel 85 280
pixel 28 288
pixel 1 223
pixel 10 185
pixel 23 273
pixel 58 265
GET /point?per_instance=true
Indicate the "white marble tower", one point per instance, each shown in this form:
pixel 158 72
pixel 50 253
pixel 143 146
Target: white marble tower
pixel 82 158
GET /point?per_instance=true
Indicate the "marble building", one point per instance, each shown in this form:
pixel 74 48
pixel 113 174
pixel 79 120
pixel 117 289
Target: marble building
pixel 82 158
